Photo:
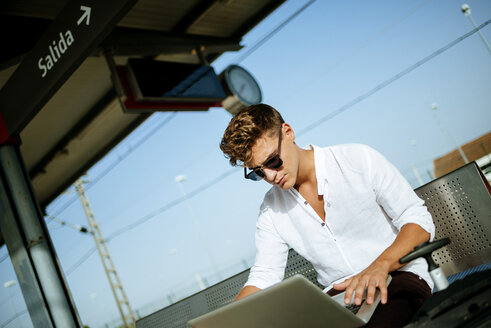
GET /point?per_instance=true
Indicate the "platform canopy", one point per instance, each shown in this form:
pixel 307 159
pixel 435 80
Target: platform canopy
pixel 82 119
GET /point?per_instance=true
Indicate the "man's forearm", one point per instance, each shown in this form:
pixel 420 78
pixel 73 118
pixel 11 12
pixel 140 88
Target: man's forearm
pixel 246 291
pixel 410 236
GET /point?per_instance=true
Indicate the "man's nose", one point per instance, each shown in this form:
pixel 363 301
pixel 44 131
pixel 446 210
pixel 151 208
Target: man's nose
pixel 269 174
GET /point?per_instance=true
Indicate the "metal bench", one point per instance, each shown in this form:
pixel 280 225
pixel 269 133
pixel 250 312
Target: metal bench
pixel 460 204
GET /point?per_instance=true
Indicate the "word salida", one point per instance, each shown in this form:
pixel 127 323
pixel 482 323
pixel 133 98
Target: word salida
pixel 56 50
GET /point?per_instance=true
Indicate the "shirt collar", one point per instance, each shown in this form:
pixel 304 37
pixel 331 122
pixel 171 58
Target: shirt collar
pixel 320 169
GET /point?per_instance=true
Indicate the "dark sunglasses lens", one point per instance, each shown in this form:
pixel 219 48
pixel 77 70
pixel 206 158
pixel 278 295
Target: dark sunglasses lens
pixel 256 175
pixel 274 163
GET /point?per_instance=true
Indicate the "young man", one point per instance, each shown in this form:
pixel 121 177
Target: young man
pixel 344 208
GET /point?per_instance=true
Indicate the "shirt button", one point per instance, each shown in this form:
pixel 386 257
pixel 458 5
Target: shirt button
pixel 323 224
pixel 305 203
pixel 328 204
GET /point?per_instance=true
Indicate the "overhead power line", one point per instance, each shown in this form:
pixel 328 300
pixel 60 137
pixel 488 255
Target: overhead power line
pixel 321 72
pixel 151 215
pixel 4 257
pixel 273 32
pixel 18 314
pixel 68 224
pixel 172 204
pixel 389 81
pixel 304 130
pixel 115 163
pixel 81 260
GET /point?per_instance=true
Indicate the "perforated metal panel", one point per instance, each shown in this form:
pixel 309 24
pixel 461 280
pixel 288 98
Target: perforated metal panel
pixel 461 208
pixel 178 314
pixel 299 265
pixel 175 315
pixel 221 294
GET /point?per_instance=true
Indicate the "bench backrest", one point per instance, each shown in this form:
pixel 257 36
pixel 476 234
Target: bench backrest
pixel 460 203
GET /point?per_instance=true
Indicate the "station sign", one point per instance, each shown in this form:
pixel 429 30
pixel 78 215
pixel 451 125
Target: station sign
pixel 74 34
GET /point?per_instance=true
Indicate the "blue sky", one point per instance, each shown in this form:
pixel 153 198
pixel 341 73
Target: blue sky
pixel 329 55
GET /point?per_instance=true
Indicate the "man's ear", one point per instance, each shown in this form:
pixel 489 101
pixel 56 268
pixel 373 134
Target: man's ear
pixel 288 131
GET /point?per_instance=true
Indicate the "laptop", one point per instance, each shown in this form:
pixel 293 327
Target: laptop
pixel 295 302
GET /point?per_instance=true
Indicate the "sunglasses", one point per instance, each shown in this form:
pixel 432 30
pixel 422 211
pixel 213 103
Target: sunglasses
pixel 275 162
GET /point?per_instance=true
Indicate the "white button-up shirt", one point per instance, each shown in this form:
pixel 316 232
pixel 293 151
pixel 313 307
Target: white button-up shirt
pixel 366 202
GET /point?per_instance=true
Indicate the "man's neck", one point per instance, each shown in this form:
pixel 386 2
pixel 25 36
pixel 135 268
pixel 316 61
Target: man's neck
pixel 306 168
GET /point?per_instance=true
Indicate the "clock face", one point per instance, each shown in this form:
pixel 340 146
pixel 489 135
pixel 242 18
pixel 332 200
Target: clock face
pixel 243 85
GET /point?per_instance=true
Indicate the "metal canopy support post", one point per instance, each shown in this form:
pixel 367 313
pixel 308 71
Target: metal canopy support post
pixel 33 257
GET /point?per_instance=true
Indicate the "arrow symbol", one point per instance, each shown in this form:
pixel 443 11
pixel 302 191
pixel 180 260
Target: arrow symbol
pixel 85 15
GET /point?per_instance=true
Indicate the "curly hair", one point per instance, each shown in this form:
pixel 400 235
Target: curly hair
pixel 248 125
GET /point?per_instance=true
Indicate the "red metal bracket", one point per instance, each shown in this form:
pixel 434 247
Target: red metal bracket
pixel 133 106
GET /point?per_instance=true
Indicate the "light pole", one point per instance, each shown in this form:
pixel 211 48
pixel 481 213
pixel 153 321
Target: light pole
pixel 180 179
pixel 414 143
pixel 7 286
pixel 466 10
pixel 434 106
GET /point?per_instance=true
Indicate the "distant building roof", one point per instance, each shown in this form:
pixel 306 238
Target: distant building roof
pixel 474 150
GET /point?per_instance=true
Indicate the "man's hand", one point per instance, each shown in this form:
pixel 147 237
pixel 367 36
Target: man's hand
pixel 373 277
pixel 246 291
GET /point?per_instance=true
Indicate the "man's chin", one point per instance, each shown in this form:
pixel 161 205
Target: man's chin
pixel 286 185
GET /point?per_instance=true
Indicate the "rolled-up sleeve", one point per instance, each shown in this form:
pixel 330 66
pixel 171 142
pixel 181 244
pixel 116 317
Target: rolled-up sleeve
pixel 271 254
pixel 395 195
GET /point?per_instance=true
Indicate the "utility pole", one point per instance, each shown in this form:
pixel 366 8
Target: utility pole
pixel 414 143
pixel 434 106
pixel 121 299
pixel 466 10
